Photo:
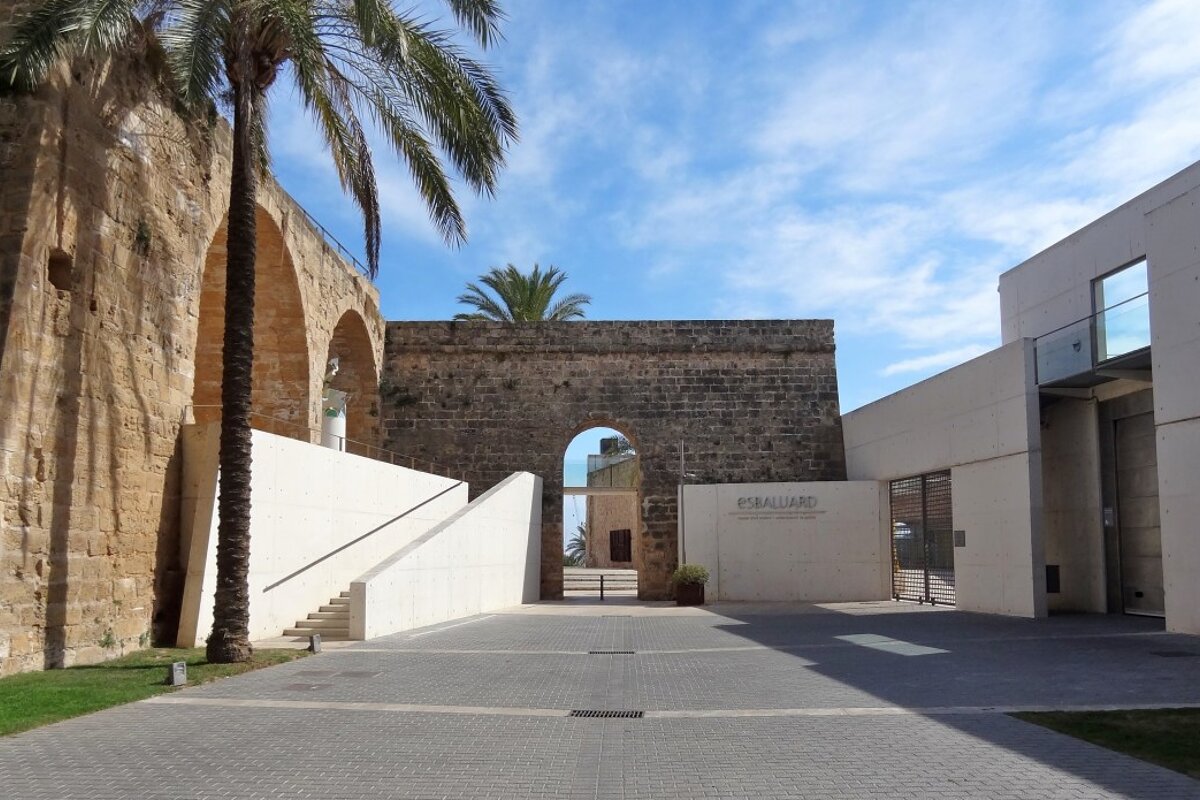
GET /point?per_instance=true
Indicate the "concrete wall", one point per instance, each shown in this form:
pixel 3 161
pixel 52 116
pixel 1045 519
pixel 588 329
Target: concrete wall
pixel 482 558
pixel 751 400
pixel 319 519
pixel 1071 497
pixel 801 542
pixel 980 421
pixel 1173 250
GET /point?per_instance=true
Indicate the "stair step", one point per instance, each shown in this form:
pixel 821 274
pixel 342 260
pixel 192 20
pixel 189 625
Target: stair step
pixel 321 624
pixel 333 635
pixel 337 614
pixel 345 595
pixel 334 609
pixel 339 601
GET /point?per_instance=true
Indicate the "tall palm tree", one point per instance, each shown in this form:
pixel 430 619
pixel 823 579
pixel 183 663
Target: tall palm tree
pixel 521 297
pixel 345 58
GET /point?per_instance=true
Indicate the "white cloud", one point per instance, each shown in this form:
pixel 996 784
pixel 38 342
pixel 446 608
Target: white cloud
pixel 945 358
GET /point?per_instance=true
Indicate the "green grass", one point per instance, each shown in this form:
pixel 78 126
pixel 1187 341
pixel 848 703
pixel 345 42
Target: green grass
pixel 39 698
pixel 1169 737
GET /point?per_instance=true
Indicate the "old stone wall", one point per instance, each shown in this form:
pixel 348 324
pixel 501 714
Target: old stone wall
pixel 607 513
pixel 748 401
pixel 111 218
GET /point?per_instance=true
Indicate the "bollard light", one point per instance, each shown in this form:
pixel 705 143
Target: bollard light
pixel 177 674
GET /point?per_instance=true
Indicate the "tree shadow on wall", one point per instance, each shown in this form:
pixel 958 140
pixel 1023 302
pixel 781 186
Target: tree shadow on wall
pixel 112 425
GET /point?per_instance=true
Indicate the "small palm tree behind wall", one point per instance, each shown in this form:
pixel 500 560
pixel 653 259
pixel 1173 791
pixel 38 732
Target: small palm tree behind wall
pixel 521 298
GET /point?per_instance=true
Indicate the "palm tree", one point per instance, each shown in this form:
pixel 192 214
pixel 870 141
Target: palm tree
pixel 346 58
pixel 576 550
pixel 522 298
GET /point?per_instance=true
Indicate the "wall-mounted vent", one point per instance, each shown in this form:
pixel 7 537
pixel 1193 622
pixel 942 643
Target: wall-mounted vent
pixel 1053 584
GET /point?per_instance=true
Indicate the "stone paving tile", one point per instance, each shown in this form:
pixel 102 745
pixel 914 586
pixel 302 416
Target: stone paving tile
pixel 250 748
pixel 183 752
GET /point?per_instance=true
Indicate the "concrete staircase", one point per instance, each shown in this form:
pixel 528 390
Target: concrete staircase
pixel 332 621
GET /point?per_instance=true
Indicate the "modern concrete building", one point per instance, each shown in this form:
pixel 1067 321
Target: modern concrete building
pixel 1061 471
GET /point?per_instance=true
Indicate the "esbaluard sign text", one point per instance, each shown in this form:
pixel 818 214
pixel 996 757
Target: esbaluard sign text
pixel 777 507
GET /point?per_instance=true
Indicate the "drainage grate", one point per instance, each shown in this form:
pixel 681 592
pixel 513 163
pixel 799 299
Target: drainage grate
pixel 1174 653
pixel 610 652
pixel 592 713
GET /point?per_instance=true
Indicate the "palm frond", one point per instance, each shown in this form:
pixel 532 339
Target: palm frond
pixel 521 297
pixel 195 41
pixel 55 30
pixel 481 17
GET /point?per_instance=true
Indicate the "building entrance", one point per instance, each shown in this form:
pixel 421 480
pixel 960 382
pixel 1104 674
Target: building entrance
pixel 922 539
pixel 1138 531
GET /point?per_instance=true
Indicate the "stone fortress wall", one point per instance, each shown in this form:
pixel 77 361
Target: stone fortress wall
pixel 112 247
pixel 751 401
pixel 111 279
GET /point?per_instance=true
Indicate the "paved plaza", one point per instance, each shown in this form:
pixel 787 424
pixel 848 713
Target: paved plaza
pixel 869 700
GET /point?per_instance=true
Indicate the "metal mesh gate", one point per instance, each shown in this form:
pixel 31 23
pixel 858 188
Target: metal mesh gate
pixel 922 539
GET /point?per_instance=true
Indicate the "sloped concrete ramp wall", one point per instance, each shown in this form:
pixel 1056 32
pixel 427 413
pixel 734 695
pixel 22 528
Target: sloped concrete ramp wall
pixel 485 557
pixel 319 518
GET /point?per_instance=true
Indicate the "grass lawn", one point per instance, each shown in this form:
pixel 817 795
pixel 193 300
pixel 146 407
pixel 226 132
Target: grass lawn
pixel 1169 737
pixel 39 698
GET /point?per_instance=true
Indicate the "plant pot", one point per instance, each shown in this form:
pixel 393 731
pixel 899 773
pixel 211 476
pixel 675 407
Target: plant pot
pixel 689 594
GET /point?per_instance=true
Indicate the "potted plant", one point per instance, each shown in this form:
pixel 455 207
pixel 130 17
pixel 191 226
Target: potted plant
pixel 689 580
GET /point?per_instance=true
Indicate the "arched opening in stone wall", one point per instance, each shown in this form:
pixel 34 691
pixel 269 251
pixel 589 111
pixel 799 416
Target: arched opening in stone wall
pixel 281 399
pixel 601 512
pixel 350 371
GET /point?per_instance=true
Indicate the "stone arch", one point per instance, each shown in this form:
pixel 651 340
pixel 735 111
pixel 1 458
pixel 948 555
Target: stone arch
pixel 281 394
pixel 751 401
pixel 604 513
pixel 357 376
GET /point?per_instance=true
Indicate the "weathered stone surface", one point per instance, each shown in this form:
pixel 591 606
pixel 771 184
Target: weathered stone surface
pixel 111 266
pixel 749 401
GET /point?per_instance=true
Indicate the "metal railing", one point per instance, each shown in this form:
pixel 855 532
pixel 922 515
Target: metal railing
pixel 273 425
pixel 333 240
pixel 612 583
pixel 1085 344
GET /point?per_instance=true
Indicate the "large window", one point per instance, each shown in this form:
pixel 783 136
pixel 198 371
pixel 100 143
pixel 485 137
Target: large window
pixel 1122 312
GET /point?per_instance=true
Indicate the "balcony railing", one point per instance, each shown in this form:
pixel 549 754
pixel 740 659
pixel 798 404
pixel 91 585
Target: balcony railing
pixel 1074 354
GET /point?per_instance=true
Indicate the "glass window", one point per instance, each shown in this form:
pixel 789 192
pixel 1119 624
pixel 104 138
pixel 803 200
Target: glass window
pixel 1122 312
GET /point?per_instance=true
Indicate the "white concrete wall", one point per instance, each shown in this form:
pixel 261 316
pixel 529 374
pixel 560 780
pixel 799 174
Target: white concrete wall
pixel 484 557
pixel 835 550
pixel 1071 495
pixel 1173 251
pixel 980 421
pixel 312 509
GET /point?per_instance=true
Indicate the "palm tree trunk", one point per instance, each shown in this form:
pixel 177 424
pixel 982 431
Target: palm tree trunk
pixel 230 639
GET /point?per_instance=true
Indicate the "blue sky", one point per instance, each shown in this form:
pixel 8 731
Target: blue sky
pixel 878 163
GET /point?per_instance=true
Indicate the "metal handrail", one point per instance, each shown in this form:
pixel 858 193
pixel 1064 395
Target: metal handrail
pixel 1093 315
pixel 387 455
pixel 331 239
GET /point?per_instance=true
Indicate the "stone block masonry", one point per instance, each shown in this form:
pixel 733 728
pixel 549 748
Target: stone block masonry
pixel 750 401
pixel 111 247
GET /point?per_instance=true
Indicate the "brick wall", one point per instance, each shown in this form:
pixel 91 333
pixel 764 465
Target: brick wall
pixel 750 400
